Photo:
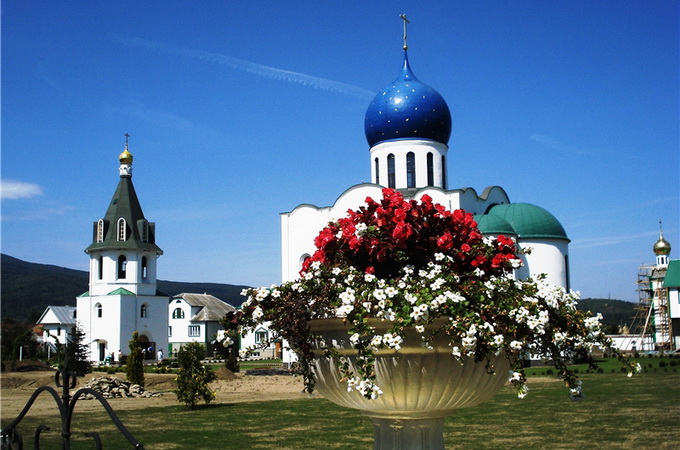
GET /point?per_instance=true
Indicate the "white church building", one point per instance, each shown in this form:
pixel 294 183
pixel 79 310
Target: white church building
pixel 407 126
pixel 122 296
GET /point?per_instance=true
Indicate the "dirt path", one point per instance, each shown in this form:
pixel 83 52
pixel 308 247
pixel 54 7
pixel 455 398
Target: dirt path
pixel 17 387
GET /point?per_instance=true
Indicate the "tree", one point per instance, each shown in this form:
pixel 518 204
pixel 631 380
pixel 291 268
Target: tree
pixel 134 366
pixel 15 336
pixel 193 377
pixel 78 352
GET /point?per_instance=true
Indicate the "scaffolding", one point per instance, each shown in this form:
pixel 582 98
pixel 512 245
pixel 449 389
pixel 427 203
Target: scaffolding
pixel 652 319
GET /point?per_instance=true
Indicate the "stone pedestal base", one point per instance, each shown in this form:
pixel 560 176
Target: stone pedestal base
pixel 411 434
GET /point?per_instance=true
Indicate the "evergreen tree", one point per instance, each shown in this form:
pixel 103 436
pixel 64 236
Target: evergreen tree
pixel 193 377
pixel 78 352
pixel 134 366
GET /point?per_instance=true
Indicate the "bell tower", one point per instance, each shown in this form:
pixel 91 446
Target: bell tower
pixel 122 296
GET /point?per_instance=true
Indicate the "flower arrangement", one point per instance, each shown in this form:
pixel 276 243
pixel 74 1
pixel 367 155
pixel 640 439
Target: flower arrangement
pixel 412 263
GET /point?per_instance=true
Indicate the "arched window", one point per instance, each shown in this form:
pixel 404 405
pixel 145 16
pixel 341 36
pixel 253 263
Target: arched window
pixel 443 172
pixel 100 267
pixel 142 311
pixel 304 258
pixel 75 313
pixel 145 266
pixel 410 170
pixel 391 181
pixel 178 313
pixel 98 310
pixel 122 230
pixel 122 266
pixel 100 230
pixel 58 331
pixel 377 171
pixel 430 169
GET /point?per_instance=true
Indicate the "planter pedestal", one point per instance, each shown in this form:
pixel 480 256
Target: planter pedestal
pixel 420 386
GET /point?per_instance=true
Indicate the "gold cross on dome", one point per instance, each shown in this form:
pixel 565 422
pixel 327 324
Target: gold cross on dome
pixel 403 17
pixel 127 137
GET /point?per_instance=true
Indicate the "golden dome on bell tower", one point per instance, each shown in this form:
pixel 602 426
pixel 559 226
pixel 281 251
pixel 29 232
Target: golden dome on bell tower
pixel 126 156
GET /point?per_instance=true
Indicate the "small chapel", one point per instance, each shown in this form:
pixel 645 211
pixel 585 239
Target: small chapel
pixel 122 296
pixel 407 128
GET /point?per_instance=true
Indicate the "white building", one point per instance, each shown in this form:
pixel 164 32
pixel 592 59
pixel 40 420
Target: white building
pixel 195 318
pixel 122 296
pixel 407 127
pixel 56 323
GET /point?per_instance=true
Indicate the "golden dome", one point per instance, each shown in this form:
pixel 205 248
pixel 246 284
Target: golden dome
pixel 125 157
pixel 662 247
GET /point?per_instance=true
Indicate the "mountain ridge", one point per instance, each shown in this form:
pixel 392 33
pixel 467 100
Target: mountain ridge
pixel 28 288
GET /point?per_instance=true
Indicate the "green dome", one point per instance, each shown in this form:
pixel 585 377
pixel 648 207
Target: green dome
pixel 492 224
pixel 530 221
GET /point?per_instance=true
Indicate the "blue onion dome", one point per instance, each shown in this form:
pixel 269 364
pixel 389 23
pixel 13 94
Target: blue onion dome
pixel 407 109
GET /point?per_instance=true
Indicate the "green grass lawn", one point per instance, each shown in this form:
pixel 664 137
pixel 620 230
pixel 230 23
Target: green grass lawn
pixel 618 412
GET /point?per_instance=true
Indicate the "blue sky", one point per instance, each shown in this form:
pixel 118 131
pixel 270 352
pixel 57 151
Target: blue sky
pixel 238 111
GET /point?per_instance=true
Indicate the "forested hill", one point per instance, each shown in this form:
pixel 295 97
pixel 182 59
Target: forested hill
pixel 28 288
pixel 615 312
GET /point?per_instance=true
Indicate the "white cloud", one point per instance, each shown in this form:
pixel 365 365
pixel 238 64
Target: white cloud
pixel 13 190
pixel 555 144
pixel 251 67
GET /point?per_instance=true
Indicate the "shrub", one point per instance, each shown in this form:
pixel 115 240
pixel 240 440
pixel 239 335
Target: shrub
pixel 134 364
pixel 662 363
pixel 193 377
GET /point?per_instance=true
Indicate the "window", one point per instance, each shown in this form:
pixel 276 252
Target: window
pixel 145 231
pixel 122 229
pixel 100 267
pixel 58 331
pixel 410 170
pixel 194 331
pixel 122 266
pixel 145 265
pixel 75 313
pixel 169 331
pixel 443 172
pixel 100 230
pixel 98 310
pixel 142 311
pixel 391 182
pixel 377 171
pixel 178 313
pixel 261 336
pixel 430 169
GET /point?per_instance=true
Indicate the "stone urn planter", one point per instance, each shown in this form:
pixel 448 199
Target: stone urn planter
pixel 420 386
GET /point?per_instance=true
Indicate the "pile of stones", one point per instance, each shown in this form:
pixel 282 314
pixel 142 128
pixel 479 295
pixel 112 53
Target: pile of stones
pixel 112 387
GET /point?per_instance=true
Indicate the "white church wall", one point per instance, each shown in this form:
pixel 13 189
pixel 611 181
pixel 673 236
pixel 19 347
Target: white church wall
pixel 547 256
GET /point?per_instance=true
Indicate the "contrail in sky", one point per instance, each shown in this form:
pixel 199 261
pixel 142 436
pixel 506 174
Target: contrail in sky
pixel 251 67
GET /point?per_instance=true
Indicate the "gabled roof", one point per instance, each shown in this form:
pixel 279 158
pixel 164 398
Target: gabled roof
pixel 62 315
pixel 125 205
pixel 212 308
pixel 121 291
pixel 672 278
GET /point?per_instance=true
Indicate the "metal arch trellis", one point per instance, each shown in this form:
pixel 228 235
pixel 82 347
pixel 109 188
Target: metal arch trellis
pixel 12 439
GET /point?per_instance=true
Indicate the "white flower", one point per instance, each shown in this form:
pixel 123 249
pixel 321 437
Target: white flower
pixel 258 313
pixel 420 329
pixel 390 291
pixel 361 228
pixel 369 277
pixel 336 271
pixel 455 351
pixel 354 339
pixel 379 294
pixel 516 345
pixel 344 310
